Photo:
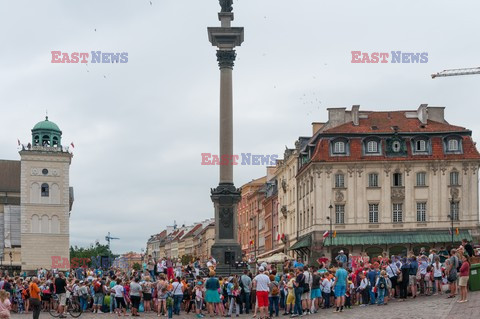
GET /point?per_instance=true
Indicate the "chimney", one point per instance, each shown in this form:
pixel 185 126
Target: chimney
pixel 355 114
pixel 336 116
pixel 436 113
pixel 422 113
pixel 317 126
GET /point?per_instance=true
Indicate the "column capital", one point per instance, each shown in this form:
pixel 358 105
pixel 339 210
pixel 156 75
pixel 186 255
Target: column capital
pixel 226 58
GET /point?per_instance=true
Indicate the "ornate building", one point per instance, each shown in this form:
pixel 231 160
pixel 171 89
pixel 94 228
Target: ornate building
pixel 386 181
pixel 37 195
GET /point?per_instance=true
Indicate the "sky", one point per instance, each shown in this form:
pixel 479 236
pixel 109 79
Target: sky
pixel 139 128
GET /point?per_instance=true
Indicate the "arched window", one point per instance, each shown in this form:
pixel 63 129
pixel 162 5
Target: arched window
pixel 35 224
pixel 45 190
pixel 398 251
pixel 44 225
pixel 36 140
pixel 55 141
pixel 453 144
pixel 55 225
pixel 372 147
pixel 45 140
pixel 373 253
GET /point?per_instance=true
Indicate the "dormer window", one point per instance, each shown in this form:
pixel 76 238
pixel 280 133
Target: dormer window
pixel 372 146
pixel 421 146
pixel 339 147
pixel 453 144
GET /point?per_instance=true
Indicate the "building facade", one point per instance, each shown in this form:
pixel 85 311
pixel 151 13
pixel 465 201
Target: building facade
pixel 386 181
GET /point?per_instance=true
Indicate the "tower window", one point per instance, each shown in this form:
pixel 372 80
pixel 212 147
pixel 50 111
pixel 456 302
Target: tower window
pixel 46 140
pixel 36 140
pixel 45 190
pixel 55 141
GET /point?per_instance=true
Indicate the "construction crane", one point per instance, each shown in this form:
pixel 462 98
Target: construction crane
pixel 456 72
pixel 108 238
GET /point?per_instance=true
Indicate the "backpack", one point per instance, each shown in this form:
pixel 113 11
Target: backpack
pixel 224 290
pixel 381 283
pixel 97 287
pixel 275 290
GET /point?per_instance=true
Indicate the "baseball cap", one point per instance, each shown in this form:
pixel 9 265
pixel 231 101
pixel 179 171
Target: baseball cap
pixel 261 268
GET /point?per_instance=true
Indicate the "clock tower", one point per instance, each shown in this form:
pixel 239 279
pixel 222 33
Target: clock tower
pixel 46 199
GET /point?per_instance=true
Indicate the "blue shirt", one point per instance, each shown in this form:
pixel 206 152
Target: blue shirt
pixel 297 265
pixel 413 268
pixel 372 277
pixel 342 258
pixel 341 277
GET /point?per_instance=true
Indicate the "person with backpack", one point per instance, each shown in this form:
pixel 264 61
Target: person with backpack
pixel 274 297
pixel 246 284
pixel 381 286
pixel 98 289
pixel 83 295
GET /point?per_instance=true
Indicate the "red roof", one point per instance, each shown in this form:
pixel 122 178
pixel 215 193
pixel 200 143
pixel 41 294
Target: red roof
pixel 385 121
pixel 322 152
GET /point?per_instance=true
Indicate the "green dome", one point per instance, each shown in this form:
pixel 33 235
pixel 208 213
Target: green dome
pixel 46 126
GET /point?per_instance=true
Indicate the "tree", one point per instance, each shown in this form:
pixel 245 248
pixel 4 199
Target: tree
pixel 137 266
pixel 186 259
pixel 94 250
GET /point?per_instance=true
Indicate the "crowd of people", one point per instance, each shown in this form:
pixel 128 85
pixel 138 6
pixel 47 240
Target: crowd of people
pixel 169 288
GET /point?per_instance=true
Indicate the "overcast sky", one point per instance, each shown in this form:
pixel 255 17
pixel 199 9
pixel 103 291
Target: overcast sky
pixel 139 127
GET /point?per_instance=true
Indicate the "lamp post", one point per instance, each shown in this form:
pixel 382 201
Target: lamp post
pixel 330 218
pixel 451 216
pixel 254 237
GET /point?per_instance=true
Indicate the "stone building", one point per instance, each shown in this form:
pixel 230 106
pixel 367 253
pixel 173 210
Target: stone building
pixel 250 222
pixel 386 181
pixel 35 193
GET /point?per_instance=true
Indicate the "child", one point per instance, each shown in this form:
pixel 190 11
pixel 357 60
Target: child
pixel 428 281
pixel 199 297
pixel 363 289
pixel 381 286
pixel 169 304
pixel 326 289
pixel 5 304
pixel 348 293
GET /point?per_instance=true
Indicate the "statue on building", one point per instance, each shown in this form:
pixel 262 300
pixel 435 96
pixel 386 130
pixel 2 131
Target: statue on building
pixel 226 5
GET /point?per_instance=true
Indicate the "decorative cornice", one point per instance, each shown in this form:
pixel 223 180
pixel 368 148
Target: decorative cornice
pixel 226 58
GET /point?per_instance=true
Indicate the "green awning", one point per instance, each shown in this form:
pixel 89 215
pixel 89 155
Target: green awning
pixel 395 237
pixel 305 242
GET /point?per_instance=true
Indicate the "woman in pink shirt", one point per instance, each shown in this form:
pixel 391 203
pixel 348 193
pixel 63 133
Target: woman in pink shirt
pixel 5 305
pixel 464 274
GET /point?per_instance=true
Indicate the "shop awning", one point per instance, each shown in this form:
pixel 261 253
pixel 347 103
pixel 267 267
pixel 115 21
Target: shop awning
pixel 305 242
pixel 397 237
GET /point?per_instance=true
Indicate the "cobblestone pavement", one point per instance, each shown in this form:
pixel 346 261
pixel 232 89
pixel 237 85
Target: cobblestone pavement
pixel 437 307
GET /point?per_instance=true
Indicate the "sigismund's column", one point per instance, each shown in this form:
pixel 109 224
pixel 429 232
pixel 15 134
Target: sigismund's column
pixel 226 196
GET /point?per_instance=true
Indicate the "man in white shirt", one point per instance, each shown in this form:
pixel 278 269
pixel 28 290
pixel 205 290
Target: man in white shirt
pixel 262 284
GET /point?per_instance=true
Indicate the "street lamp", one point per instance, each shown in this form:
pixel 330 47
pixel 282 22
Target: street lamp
pixel 330 218
pixel 451 216
pixel 255 238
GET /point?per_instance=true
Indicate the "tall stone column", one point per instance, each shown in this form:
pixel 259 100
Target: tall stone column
pixel 226 196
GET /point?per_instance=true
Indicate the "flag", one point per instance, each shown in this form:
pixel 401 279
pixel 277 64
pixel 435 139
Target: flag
pixel 73 145
pixel 278 237
pixel 18 141
pixel 334 234
pixel 325 234
pixel 457 232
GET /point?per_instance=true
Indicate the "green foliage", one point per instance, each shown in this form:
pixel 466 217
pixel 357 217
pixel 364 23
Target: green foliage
pixel 137 266
pixel 186 259
pixel 93 250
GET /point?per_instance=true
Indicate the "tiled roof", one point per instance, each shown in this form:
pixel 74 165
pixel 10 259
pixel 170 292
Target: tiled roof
pixel 194 229
pixel 10 176
pixel 385 121
pixel 322 152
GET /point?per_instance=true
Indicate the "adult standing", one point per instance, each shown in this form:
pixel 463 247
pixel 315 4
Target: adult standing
pixel 60 289
pixel 392 272
pixel 177 291
pixel 99 294
pixel 211 295
pixel 147 293
pixel 35 297
pixel 306 301
pixel 437 275
pixel 298 263
pixel 412 281
pixel 451 270
pixel 464 275
pixel 316 293
pixel 341 258
pixel 169 265
pixel 443 254
pixel 340 287
pixel 151 266
pixel 262 284
pixel 299 284
pixel 246 285
pixel 135 296
pixel 405 270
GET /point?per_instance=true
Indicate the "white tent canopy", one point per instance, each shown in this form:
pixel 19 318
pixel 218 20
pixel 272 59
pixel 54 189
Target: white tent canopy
pixel 277 258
